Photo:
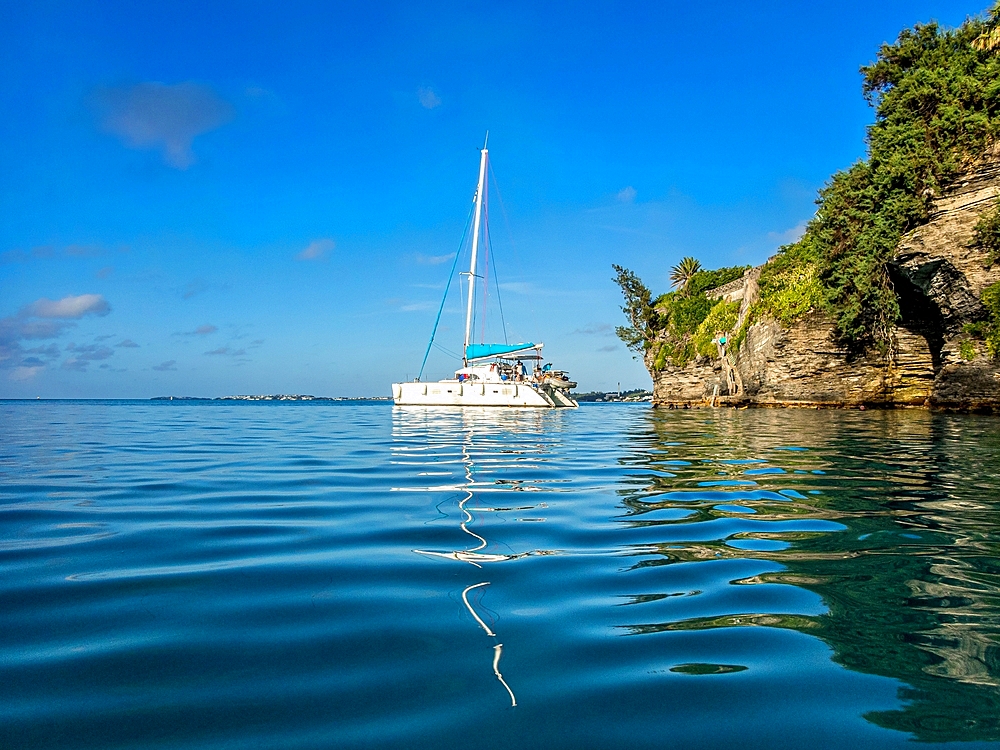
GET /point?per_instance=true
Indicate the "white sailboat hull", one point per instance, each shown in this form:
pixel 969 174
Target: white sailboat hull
pixel 453 393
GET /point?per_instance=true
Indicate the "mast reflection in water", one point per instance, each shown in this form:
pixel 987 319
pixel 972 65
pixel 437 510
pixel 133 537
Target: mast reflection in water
pixel 488 448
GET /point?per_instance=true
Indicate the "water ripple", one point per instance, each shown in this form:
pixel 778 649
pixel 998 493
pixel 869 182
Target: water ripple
pixel 327 575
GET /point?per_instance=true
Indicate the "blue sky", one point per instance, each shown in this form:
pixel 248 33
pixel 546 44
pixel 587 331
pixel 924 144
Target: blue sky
pixel 216 198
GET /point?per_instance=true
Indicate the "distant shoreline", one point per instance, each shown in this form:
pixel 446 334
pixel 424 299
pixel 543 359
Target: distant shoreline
pixel 273 397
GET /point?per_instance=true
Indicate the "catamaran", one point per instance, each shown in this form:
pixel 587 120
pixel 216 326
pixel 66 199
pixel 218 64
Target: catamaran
pixel 491 374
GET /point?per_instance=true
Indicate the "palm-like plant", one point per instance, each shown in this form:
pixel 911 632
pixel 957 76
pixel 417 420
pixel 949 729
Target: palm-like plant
pixel 989 40
pixel 681 274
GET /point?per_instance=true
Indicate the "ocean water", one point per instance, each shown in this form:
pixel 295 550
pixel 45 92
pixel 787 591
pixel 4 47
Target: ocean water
pixel 317 575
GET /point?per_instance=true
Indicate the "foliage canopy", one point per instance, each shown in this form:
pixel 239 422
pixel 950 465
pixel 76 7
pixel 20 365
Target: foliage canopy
pixel 936 94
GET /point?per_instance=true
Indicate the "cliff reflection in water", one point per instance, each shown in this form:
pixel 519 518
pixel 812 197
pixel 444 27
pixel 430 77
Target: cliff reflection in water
pixel 893 518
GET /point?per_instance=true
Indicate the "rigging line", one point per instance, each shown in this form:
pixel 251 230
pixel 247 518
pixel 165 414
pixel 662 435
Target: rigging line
pixel 444 298
pixel 496 283
pixel 449 352
pixel 513 245
pixel 486 253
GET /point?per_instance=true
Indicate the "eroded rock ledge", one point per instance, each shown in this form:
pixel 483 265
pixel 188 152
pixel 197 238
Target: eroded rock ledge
pixel 939 279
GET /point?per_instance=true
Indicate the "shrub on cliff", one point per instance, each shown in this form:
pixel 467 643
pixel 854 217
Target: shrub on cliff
pixel 987 331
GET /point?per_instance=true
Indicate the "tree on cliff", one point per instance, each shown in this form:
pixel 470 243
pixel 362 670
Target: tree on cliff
pixel 638 309
pixel 683 272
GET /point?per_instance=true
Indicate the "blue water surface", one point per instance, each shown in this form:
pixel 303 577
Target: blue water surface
pixel 336 575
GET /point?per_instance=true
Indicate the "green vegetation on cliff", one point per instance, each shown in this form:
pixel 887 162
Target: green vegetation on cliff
pixel 936 94
pixel 679 324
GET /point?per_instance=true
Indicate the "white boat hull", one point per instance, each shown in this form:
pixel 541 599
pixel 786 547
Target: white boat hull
pixel 453 393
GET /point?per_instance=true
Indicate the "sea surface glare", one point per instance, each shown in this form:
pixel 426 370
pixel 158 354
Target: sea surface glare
pixel 329 575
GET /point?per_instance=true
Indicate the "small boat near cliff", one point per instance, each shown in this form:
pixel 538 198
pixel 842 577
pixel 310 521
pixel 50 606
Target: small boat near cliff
pixel 492 374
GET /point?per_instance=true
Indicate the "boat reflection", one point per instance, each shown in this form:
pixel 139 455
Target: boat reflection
pixel 481 441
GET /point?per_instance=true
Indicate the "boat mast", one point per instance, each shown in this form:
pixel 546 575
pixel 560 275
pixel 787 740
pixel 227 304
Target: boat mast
pixel 475 247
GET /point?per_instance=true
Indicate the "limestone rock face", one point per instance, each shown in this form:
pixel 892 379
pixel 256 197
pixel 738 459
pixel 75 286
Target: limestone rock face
pixel 939 279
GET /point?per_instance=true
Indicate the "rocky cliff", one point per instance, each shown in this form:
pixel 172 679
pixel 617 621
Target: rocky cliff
pixel 938 277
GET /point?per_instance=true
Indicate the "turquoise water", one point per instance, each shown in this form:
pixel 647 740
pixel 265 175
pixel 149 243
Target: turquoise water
pixel 308 575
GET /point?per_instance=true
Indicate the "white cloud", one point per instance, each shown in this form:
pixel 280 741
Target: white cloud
pixel 43 319
pixel 159 116
pixel 519 287
pixel 317 249
pixel 127 344
pixel 20 374
pixel 433 260
pixel 67 307
pixel 428 98
pixel 627 194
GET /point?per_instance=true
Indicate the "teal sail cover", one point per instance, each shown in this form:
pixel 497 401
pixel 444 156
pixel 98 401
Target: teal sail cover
pixel 479 351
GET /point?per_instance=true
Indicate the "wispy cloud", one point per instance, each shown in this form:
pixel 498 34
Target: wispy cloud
pixel 203 330
pixel 168 366
pixel 158 116
pixel 428 98
pixel 84 251
pixel 433 260
pixel 192 288
pixel 49 352
pixel 595 329
pixel 71 307
pixel 519 287
pixel 127 344
pixel 20 256
pixel 627 194
pixel 46 252
pixel 103 273
pixel 317 249
pixel 608 348
pixel 83 355
pixel 417 306
pixel 226 352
